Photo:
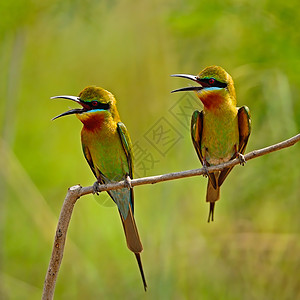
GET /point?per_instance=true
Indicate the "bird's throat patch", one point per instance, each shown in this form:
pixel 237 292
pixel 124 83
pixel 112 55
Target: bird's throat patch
pixel 93 120
pixel 211 99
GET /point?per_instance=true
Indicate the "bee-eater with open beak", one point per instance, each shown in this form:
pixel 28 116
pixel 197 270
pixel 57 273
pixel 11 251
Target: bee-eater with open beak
pixel 107 148
pixel 220 132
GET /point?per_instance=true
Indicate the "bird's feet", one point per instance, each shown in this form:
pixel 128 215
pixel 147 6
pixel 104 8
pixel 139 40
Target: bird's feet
pixel 128 182
pixel 204 166
pixel 241 158
pixel 96 188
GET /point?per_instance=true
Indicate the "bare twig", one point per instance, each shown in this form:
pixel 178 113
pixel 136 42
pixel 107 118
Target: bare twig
pixel 195 172
pixel 59 241
pixel 77 191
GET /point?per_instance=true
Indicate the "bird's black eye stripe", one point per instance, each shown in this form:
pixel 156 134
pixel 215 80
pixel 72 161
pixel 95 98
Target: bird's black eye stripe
pixel 213 82
pixel 104 106
pixel 98 105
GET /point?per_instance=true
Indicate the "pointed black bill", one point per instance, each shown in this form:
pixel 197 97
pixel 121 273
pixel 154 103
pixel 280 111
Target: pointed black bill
pixel 69 112
pixel 187 76
pixel 190 88
pixel 72 111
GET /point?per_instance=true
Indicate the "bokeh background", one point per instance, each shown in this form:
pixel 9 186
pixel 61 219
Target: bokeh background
pixel 53 47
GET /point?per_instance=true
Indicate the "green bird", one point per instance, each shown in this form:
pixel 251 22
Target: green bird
pixel 220 132
pixel 108 150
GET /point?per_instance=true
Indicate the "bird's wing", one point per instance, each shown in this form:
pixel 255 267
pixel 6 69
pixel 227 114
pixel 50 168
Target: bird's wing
pixel 196 132
pixel 244 125
pixel 127 146
pixel 132 236
pixel 244 122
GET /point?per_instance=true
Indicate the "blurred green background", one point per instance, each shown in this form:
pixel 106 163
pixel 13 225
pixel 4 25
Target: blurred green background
pixel 52 47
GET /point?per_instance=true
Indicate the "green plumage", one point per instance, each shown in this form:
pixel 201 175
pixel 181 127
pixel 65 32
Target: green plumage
pixel 108 152
pixel 107 148
pixel 221 130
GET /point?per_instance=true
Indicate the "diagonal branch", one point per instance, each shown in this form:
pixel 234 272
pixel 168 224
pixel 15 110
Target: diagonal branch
pixel 75 192
pixel 196 172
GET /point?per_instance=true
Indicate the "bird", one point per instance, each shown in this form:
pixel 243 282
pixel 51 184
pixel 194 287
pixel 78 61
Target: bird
pixel 219 132
pixel 107 148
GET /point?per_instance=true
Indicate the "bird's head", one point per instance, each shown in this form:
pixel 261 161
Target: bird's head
pixel 96 102
pixel 215 86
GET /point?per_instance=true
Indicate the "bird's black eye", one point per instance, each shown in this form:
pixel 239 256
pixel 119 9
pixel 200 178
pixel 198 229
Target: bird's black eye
pixel 94 103
pixel 211 81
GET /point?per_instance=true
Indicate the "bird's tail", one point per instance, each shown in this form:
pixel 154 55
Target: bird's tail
pixel 212 195
pixel 139 261
pixel 133 241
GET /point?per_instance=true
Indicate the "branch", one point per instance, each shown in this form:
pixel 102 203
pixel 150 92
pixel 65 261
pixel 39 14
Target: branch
pixel 59 241
pixel 196 172
pixel 75 192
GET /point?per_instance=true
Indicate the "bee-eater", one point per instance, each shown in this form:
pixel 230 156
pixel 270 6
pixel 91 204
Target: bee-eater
pixel 107 148
pixel 220 132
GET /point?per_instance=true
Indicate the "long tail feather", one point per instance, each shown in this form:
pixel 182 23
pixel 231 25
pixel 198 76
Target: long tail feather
pixel 211 212
pixel 133 241
pixel 212 195
pixel 138 258
pixel 131 233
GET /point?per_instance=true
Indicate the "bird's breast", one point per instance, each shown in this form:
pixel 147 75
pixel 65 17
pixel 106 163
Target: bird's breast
pixel 106 150
pixel 220 136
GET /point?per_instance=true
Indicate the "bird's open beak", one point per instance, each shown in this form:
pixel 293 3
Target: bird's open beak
pixel 72 111
pixel 189 88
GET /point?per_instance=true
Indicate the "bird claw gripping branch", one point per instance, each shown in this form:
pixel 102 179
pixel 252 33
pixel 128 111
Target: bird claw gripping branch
pixel 241 158
pixel 96 188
